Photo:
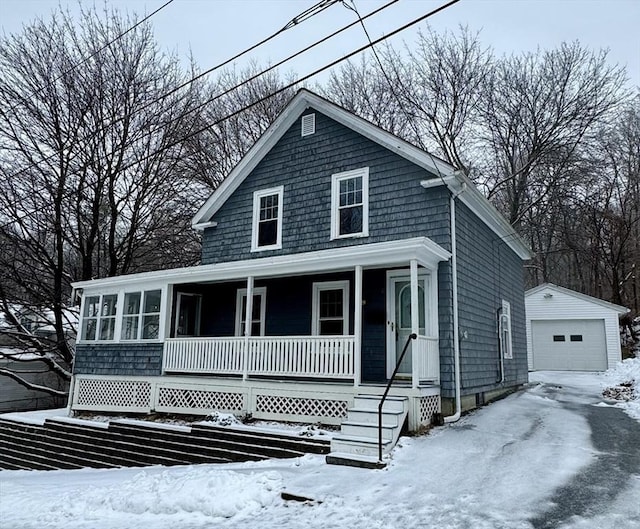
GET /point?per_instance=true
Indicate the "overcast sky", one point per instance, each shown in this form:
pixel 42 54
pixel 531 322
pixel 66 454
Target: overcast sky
pixel 213 30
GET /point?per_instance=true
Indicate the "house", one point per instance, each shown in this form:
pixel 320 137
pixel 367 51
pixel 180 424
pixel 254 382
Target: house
pixel 327 246
pixel 568 331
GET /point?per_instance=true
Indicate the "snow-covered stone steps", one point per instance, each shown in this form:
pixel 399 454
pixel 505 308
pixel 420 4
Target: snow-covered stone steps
pixel 72 443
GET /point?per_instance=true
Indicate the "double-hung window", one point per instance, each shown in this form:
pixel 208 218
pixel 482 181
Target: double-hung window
pixel 330 311
pixel 141 315
pixel 267 219
pixel 350 204
pixel 258 311
pixel 99 317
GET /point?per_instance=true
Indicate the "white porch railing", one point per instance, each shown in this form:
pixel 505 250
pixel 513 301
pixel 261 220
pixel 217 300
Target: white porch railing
pixel 299 356
pixel 426 359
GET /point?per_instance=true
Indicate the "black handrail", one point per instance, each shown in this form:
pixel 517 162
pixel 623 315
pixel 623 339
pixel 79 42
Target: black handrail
pixel 412 336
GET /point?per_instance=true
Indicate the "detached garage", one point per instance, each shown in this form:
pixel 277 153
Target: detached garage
pixel 570 331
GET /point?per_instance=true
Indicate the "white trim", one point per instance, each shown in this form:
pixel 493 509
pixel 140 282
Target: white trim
pixel 179 297
pixel 457 182
pixel 308 125
pixel 303 100
pixel 315 306
pixel 585 297
pixel 336 178
pixel 357 326
pixel 431 308
pixel 121 290
pixel 241 293
pixel 389 253
pixel 506 348
pixel 255 222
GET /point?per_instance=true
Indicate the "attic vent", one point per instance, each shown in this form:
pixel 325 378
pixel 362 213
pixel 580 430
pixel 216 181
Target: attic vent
pixel 308 124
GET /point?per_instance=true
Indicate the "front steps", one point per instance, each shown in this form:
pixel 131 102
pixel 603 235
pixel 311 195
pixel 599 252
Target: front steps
pixel 357 442
pixel 71 444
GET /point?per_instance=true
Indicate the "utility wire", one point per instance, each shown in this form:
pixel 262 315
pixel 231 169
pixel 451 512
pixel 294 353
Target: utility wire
pixel 278 91
pixel 305 15
pixel 391 87
pixel 92 55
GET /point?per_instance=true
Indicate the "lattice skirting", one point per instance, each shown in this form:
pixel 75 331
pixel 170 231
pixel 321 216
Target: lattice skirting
pixel 285 405
pixel 196 400
pixel 428 406
pixel 113 394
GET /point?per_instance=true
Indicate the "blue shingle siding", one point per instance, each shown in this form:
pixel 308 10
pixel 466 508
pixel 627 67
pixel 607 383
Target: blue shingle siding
pixel 398 207
pixel 488 272
pixel 143 359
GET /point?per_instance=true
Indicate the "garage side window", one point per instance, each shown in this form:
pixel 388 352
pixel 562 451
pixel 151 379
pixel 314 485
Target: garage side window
pixel 504 327
pixel 558 338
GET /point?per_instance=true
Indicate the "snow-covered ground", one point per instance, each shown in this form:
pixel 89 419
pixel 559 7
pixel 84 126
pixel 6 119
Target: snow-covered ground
pixel 495 468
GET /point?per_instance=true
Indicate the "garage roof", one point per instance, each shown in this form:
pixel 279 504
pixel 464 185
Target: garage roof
pixel 605 304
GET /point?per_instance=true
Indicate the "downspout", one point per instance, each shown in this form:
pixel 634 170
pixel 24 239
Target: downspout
pixel 454 283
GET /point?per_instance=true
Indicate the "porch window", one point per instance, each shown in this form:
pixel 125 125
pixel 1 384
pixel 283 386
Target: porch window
pixel 257 313
pixel 141 315
pixel 350 204
pixel 330 308
pixel 267 219
pixel 99 317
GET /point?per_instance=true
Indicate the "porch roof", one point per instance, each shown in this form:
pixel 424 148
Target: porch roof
pixel 390 253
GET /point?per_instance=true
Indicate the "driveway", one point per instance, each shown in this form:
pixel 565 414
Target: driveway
pixel 616 466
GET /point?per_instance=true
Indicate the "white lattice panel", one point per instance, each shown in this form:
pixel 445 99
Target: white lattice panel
pixel 282 405
pixel 428 406
pixel 113 393
pixel 193 399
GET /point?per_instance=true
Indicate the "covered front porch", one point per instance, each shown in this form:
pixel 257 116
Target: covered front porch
pixel 321 323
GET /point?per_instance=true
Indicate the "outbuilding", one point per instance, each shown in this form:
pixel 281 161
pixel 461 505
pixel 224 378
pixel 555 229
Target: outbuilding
pixel 570 331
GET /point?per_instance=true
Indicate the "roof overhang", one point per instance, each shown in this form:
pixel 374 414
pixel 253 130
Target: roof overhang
pixel 303 100
pixel 383 254
pixel 585 297
pixel 463 188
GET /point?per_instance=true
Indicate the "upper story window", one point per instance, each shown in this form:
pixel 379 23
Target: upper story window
pixel 99 317
pixel 350 204
pixel 267 219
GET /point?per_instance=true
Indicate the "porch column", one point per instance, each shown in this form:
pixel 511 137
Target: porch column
pixel 247 327
pixel 357 328
pixel 167 300
pixel 415 318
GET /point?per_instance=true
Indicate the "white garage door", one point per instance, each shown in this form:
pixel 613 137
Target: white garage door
pixel 569 345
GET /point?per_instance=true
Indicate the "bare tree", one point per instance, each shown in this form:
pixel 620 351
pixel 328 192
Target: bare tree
pixel 89 149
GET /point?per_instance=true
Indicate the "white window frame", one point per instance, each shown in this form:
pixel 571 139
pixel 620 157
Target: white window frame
pixel 336 178
pixel 120 293
pixel 99 318
pixel 506 341
pixel 242 293
pixel 308 125
pixel 257 195
pixel 315 307
pixel 179 297
pixel 141 315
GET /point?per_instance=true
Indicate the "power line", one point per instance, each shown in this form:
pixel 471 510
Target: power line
pixel 305 15
pixel 92 55
pixel 278 91
pixel 391 87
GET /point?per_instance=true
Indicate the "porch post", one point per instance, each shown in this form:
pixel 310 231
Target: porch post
pixel 247 327
pixel 357 327
pixel 415 319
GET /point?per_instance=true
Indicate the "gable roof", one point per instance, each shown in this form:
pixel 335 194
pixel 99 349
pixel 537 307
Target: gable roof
pixel 304 99
pixel 585 297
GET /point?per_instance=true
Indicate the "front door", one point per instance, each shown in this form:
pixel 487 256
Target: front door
pixel 399 323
